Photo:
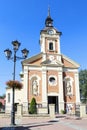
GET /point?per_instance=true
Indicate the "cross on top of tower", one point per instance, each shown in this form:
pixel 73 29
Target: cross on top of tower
pixel 49 20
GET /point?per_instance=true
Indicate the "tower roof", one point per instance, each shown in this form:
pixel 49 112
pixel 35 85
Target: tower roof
pixel 49 20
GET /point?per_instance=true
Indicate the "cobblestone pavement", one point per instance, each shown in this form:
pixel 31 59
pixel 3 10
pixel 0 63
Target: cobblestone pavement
pixel 45 123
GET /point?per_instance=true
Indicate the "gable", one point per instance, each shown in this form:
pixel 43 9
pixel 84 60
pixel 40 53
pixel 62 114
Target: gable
pixel 37 60
pixel 34 60
pixel 69 63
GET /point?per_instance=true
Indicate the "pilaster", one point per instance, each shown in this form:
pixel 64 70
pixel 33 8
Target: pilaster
pixel 44 87
pixel 61 96
pixel 42 43
pixel 77 88
pixel 58 48
pixel 25 90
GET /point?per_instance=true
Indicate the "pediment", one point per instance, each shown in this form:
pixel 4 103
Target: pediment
pixel 52 62
pixel 33 60
pixel 68 63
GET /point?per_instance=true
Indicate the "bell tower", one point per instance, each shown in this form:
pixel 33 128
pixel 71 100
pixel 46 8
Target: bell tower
pixel 49 20
pixel 50 40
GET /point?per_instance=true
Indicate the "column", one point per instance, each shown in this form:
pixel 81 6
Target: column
pixel 58 49
pixel 61 96
pixel 25 91
pixel 77 88
pixel 44 87
pixel 42 43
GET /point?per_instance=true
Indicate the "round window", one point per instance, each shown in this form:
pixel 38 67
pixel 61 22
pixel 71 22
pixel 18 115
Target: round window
pixel 52 81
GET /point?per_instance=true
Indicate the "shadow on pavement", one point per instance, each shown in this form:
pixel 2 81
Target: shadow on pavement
pixel 26 127
pixel 60 116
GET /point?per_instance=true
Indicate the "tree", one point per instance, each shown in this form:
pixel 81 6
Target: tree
pixel 1 104
pixel 83 85
pixel 3 96
pixel 33 108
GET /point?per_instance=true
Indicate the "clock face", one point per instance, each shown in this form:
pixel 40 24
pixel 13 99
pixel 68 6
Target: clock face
pixel 50 31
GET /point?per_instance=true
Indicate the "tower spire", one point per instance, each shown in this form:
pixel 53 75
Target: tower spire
pixel 49 11
pixel 49 20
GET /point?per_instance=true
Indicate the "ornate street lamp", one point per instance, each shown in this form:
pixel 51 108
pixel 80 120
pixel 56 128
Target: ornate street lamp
pixel 8 54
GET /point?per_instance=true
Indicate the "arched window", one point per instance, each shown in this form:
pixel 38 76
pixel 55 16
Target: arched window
pixel 50 46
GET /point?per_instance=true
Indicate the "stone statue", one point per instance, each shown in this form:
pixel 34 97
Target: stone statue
pixel 68 87
pixel 35 87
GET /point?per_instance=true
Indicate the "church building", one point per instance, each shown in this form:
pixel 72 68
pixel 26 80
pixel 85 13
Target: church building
pixel 50 77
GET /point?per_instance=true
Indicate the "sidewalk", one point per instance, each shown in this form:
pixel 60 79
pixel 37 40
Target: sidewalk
pixel 46 123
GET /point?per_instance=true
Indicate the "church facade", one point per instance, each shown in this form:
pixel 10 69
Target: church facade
pixel 50 77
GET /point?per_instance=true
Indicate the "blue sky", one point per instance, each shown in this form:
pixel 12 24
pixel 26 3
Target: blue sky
pixel 22 20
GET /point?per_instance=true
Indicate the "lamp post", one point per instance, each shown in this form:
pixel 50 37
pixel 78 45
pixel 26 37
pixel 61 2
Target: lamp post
pixel 8 54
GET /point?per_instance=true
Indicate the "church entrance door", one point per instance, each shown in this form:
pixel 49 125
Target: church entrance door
pixel 53 100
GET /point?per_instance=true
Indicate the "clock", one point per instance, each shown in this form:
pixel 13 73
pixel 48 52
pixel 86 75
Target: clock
pixel 50 32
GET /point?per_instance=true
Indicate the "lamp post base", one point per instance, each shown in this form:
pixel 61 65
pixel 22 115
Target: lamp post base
pixel 13 118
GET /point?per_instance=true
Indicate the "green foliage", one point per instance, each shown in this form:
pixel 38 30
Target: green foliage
pixel 33 108
pixel 83 85
pixel 63 112
pixel 3 96
pixel 1 105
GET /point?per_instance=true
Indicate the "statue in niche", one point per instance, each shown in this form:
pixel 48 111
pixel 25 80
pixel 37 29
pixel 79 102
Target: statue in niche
pixel 68 87
pixel 35 87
